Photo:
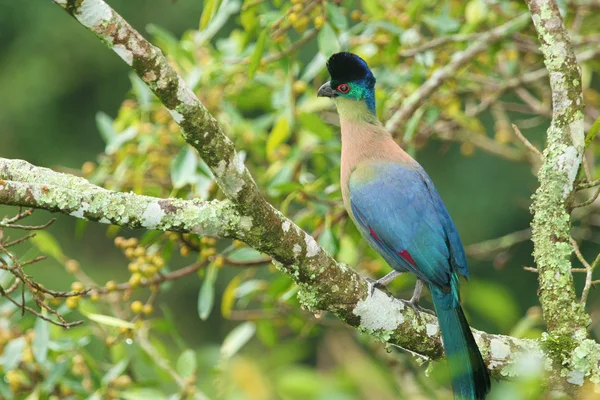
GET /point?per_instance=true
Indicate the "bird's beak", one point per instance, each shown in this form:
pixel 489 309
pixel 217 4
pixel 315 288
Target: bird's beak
pixel 326 91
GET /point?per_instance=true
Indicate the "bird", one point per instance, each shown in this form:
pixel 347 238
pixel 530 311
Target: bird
pixel 398 211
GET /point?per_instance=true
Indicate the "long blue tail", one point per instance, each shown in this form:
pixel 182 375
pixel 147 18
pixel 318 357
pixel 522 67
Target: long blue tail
pixel 470 378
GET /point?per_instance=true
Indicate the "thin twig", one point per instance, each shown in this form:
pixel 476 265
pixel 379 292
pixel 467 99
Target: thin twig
pixel 587 185
pixel 526 142
pixel 37 314
pixel 589 201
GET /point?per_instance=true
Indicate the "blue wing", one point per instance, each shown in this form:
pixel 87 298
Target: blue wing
pixel 402 216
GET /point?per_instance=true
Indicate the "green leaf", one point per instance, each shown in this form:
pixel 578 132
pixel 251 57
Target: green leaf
pixel 108 320
pixel 592 133
pixel 57 371
pixel 141 91
pixel 105 126
pixel 115 371
pixel 113 140
pixel 280 133
pixel 210 6
pixel 142 394
pixel 236 339
pixel 328 241
pixel 206 296
pixel 6 278
pixel 315 124
pixel 186 363
pixel 348 253
pixel 184 167
pixel 164 39
pixel 336 17
pixel 267 333
pixel 259 50
pixel 13 354
pixel 47 244
pixel 328 41
pixel 229 295
pixel 41 339
pixel 35 395
pixel 246 254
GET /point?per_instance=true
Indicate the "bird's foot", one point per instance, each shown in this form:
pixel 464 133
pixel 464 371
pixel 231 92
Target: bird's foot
pixel 414 304
pixel 381 283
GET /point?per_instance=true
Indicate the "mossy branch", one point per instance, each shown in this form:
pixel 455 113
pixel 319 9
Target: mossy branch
pixel 22 184
pixel 567 339
pixel 562 157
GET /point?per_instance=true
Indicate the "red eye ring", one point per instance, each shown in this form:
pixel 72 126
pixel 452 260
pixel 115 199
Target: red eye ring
pixel 343 88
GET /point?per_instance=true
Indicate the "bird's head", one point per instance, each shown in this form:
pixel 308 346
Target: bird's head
pixel 351 81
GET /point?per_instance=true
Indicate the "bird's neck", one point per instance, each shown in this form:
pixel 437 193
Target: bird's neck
pixel 359 111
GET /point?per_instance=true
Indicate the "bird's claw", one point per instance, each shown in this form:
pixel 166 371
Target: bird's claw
pixel 372 283
pixel 414 304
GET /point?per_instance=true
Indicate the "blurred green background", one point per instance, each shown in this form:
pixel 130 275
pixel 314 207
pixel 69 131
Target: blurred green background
pixel 55 77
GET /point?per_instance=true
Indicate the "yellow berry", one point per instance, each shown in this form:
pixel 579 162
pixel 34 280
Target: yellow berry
pixel 119 241
pixel 139 251
pixel 72 266
pixel 27 356
pixel 135 280
pixel 147 309
pixel 297 8
pixel 319 21
pixel 207 252
pixel 184 251
pixel 77 286
pixel 219 261
pixel 109 341
pixel 355 15
pixel 158 261
pixel 137 306
pixel 77 369
pixel 111 286
pixel 133 267
pixel 129 252
pixel 122 382
pixel 72 302
pixel 293 17
pixel 88 168
pixel 94 297
pixel 299 87
pixel 150 270
pixel 467 149
pixel 132 242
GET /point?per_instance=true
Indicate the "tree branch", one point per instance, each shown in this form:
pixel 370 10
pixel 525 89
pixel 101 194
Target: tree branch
pixel 415 100
pixel 561 160
pixel 565 317
pixel 41 188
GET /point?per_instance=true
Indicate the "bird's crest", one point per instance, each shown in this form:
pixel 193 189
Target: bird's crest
pixel 348 67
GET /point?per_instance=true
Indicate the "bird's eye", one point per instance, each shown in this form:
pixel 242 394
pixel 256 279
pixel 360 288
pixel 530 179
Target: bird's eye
pixel 343 88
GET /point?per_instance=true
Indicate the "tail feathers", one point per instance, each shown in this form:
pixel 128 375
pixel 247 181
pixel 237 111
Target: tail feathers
pixel 470 378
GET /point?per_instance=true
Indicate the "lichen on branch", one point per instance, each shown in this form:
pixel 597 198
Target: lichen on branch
pixel 561 160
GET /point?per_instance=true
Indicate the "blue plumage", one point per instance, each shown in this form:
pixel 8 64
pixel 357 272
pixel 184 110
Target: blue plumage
pixel 401 215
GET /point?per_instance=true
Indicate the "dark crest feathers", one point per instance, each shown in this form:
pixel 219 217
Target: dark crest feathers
pixel 348 67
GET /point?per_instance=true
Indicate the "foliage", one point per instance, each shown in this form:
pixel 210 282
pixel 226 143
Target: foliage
pixel 256 66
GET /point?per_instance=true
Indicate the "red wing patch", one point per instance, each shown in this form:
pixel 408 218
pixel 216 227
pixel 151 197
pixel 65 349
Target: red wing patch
pixel 373 234
pixel 406 255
